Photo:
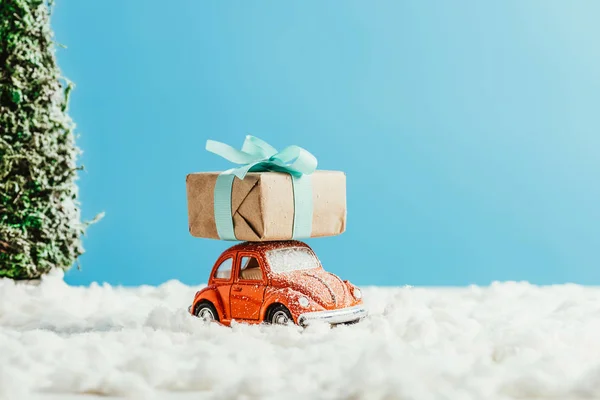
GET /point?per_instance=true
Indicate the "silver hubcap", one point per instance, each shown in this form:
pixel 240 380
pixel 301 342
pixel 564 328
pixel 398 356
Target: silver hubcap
pixel 206 315
pixel 280 318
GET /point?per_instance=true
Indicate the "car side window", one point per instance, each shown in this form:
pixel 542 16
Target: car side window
pixel 250 269
pixel 224 270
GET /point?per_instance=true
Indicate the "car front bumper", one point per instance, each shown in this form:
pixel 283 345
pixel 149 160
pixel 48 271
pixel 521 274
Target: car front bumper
pixel 333 317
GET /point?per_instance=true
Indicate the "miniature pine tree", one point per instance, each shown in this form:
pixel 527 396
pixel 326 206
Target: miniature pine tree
pixel 40 225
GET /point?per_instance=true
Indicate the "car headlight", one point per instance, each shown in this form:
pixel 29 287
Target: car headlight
pixel 303 301
pixel 357 293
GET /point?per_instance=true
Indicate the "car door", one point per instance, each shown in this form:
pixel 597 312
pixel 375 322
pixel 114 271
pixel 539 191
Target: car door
pixel 248 289
pixel 222 278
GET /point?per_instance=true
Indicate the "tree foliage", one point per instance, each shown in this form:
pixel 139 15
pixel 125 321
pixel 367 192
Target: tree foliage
pixel 40 224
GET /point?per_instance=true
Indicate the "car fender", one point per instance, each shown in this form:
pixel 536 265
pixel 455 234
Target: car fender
pixel 210 293
pixel 289 298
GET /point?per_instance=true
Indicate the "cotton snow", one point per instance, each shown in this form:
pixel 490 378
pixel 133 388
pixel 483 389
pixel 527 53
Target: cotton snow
pixel 509 340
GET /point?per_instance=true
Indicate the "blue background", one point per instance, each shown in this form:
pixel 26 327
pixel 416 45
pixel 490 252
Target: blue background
pixel 469 131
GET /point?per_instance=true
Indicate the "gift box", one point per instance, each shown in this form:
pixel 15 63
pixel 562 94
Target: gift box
pixel 262 205
pixel 272 196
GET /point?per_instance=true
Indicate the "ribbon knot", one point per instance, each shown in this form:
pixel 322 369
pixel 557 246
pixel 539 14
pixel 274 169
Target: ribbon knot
pixel 257 155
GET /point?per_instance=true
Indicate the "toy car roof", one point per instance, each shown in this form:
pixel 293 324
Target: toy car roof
pixel 261 247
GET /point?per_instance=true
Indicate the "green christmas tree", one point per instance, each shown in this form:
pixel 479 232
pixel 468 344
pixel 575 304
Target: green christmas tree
pixel 40 224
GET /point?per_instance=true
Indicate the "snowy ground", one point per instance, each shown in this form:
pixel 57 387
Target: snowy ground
pixel 509 340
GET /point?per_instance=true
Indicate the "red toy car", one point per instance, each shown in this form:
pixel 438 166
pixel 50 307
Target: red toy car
pixel 277 283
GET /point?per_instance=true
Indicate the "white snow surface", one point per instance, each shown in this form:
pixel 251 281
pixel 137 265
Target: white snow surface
pixel 509 340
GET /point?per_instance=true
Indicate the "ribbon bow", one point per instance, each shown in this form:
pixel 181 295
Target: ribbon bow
pixel 257 155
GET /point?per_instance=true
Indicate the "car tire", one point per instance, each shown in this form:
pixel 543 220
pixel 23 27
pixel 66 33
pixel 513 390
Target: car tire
pixel 279 315
pixel 206 311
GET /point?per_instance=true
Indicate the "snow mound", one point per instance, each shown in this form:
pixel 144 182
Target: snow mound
pixel 509 340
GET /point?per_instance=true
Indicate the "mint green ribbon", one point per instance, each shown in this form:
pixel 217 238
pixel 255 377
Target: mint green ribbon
pixel 257 155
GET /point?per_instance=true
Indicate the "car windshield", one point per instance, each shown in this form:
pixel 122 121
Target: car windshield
pixel 291 259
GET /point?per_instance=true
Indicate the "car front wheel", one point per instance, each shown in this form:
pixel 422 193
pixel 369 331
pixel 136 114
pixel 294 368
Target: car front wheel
pixel 206 312
pixel 280 315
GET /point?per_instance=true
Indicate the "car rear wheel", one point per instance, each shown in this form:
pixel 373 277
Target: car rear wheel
pixel 206 312
pixel 279 315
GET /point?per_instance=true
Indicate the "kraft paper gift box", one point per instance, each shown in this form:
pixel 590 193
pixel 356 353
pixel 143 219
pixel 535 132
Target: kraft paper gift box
pixel 262 205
